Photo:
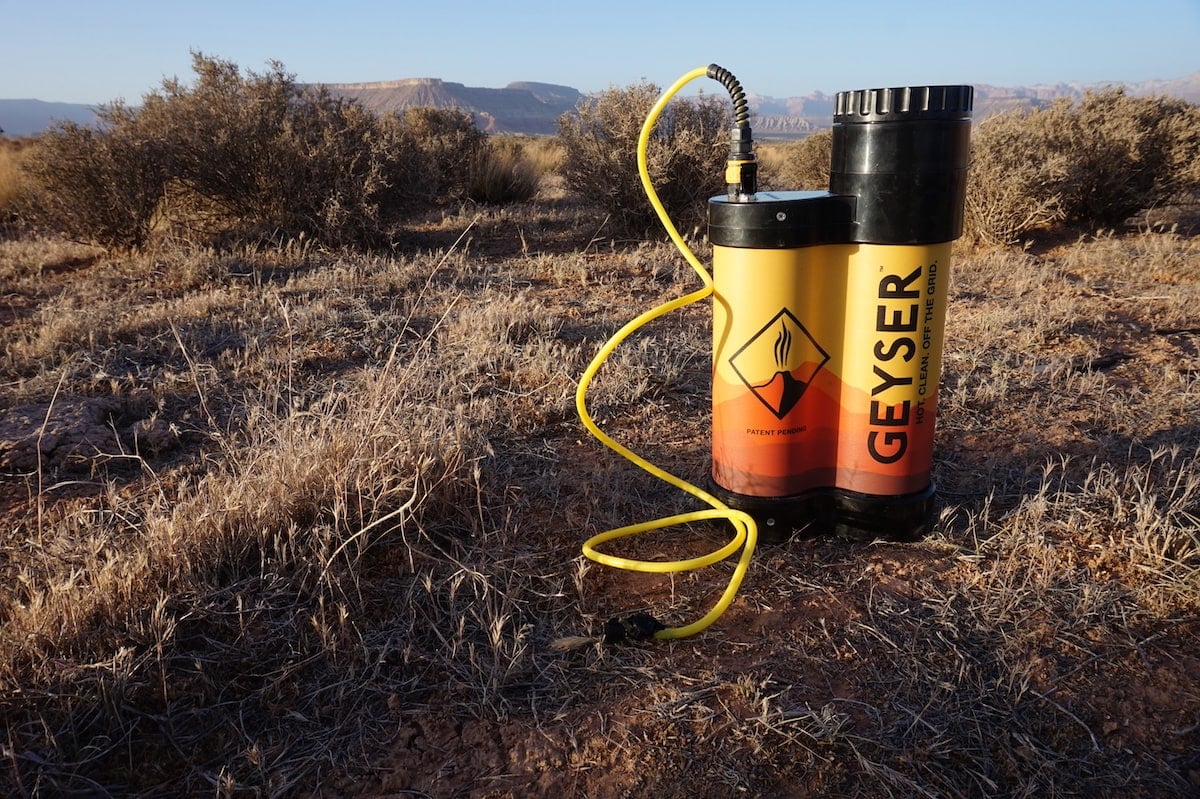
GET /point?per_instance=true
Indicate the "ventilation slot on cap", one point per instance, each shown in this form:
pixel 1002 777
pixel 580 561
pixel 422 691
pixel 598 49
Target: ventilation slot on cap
pixel 925 102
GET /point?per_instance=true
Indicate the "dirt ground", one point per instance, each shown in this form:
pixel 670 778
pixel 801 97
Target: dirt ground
pixel 952 666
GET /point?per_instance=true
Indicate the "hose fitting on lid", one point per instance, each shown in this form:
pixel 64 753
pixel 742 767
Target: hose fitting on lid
pixel 741 168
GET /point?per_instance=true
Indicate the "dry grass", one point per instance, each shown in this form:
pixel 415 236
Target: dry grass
pixel 802 164
pixel 10 172
pixel 544 153
pixel 337 566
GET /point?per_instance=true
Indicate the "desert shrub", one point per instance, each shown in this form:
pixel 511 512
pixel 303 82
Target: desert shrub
pixel 805 164
pixel 1010 191
pixel 261 155
pixel 1133 153
pixel 685 157
pixel 501 174
pixel 434 156
pixel 10 175
pixel 1093 164
pixel 451 143
pixel 98 185
pixel 237 156
pixel 411 178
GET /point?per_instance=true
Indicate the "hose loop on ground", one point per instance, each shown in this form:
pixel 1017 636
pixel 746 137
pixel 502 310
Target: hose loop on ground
pixel 745 530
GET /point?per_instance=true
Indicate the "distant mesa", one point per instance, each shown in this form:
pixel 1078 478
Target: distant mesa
pixel 27 117
pixel 530 107
pixel 525 107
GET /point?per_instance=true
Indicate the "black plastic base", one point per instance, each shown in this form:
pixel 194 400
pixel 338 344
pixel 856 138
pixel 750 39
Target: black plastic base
pixel 860 517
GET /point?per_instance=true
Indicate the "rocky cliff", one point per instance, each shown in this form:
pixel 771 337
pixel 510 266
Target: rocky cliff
pixel 532 108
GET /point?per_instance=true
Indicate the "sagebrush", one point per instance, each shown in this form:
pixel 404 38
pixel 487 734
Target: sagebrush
pixel 239 156
pixel 804 165
pixel 1092 164
pixel 246 156
pixel 685 157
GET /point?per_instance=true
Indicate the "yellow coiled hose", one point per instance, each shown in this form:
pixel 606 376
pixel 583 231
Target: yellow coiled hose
pixel 745 529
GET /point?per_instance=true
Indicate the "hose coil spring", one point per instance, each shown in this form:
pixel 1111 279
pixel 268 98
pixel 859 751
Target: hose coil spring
pixel 741 108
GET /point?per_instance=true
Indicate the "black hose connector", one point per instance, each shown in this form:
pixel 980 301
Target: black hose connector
pixel 741 171
pixel 637 627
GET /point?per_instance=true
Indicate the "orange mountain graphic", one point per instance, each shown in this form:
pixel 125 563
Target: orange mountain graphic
pixel 782 392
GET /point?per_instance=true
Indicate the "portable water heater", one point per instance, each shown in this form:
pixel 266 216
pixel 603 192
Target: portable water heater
pixel 828 317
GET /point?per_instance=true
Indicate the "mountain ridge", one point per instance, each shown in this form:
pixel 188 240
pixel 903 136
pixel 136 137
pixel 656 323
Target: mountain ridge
pixel 532 107
pixel 26 117
pixel 521 107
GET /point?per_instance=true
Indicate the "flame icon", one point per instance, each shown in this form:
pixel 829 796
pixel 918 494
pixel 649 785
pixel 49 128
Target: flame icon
pixel 783 345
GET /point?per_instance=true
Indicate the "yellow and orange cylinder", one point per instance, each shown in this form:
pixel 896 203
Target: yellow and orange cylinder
pixel 828 318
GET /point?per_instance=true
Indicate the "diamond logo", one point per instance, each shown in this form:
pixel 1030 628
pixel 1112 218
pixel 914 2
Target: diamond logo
pixel 778 362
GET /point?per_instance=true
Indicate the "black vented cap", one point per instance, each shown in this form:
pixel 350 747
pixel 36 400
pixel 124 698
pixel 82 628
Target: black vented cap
pixel 907 103
pixel 903 153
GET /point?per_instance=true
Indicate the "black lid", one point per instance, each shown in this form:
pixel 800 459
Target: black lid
pixel 781 220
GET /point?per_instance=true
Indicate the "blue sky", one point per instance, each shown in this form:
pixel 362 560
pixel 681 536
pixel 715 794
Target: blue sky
pixel 97 51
